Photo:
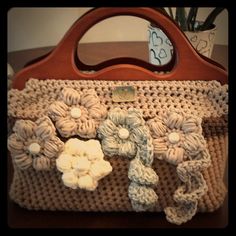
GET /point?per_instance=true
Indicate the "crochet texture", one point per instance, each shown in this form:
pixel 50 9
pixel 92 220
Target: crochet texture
pixel 124 133
pixel 178 140
pixel 82 164
pixel 199 98
pixel 43 190
pixel 34 144
pixel 77 113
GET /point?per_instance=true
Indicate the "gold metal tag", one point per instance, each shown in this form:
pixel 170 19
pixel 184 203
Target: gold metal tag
pixel 124 94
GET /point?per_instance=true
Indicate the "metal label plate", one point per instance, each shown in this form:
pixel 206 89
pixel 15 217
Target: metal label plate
pixel 124 94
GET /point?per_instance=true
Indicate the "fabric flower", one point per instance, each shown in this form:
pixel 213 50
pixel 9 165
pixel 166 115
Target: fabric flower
pixel 82 164
pixel 77 114
pixel 176 136
pixel 34 144
pixel 121 131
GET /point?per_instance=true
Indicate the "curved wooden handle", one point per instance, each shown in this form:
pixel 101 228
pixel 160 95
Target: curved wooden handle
pixel 61 63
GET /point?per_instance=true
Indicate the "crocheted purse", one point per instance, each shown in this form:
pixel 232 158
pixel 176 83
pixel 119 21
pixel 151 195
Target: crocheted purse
pixel 123 138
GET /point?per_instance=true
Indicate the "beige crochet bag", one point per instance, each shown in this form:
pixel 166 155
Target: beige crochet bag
pixel 181 116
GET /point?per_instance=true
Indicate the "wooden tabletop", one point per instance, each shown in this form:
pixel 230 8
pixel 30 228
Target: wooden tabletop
pixel 21 218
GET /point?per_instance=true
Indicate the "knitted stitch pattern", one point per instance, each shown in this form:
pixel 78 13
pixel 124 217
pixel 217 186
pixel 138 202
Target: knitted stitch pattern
pixel 45 190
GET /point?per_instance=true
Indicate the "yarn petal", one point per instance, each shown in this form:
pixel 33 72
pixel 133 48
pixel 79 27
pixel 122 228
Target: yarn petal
pixel 86 128
pixel 117 116
pixel 174 120
pixel 191 125
pixel 160 147
pixel 70 96
pixel 110 146
pixel 132 120
pixel 107 128
pixel 44 129
pixel 53 147
pixel 127 149
pixel 57 110
pixel 139 135
pixel 24 129
pixel 89 99
pixel 66 127
pixel 97 112
pixel 157 128
pixel 175 155
pixel 41 163
pixel 23 161
pixel 193 143
pixel 15 145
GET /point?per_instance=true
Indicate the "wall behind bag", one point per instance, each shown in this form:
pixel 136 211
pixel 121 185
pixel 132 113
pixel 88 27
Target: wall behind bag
pixel 42 27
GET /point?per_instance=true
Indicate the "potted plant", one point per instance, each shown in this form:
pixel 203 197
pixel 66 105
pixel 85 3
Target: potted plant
pixel 200 33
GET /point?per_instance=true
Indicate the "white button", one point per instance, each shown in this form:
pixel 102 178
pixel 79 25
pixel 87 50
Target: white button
pixel 75 112
pixel 123 133
pixel 173 137
pixel 34 148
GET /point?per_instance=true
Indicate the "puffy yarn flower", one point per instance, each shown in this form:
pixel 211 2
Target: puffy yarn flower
pixel 82 164
pixel 77 113
pixel 124 133
pixel 176 136
pixel 34 144
pixel 121 131
pixel 178 140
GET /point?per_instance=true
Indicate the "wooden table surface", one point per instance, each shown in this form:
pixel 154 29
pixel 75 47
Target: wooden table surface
pixel 21 218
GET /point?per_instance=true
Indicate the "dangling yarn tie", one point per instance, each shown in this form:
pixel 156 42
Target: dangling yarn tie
pixel 124 133
pixel 182 144
pixel 188 195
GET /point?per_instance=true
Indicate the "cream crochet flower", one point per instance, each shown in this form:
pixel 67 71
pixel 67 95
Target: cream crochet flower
pixel 34 144
pixel 82 164
pixel 176 137
pixel 77 114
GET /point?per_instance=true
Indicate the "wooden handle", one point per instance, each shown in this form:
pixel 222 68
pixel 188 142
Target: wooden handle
pixel 61 63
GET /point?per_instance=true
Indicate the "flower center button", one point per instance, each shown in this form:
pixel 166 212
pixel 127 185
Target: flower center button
pixel 174 137
pixel 123 133
pixel 75 112
pixel 34 148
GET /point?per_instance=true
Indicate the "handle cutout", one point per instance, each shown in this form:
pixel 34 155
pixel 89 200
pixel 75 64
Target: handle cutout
pixel 112 40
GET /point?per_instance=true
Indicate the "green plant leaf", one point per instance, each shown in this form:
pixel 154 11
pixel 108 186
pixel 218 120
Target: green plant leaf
pixel 211 18
pixel 181 18
pixel 171 13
